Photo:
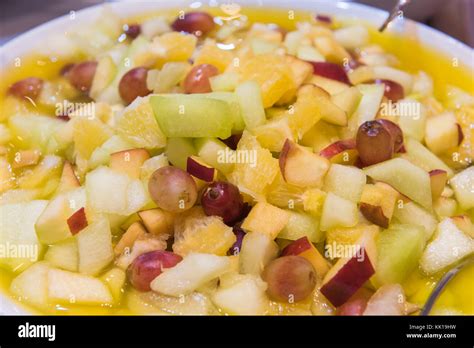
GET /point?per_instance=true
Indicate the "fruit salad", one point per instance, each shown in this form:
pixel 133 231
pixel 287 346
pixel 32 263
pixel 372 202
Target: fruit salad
pixel 214 165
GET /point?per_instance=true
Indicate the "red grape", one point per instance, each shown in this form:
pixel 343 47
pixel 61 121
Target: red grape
pixel 223 199
pixel 395 132
pixel 172 189
pixel 232 141
pixel 197 80
pixel 81 75
pixel 393 90
pixel 133 85
pixel 132 30
pixel 27 88
pixel 198 23
pixel 148 266
pixel 289 278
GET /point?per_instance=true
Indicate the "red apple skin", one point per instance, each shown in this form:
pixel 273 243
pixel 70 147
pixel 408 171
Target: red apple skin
pixel 392 90
pixel 285 152
pixel 337 147
pixel 331 71
pixel 200 170
pixel 374 214
pixel 232 141
pixel 339 289
pixel 460 134
pixel 297 247
pixel 77 221
pixel 438 179
pixel 356 304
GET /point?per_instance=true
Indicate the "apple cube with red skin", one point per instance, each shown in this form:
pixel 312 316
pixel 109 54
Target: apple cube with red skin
pixel 198 168
pixel 356 304
pixel 302 167
pixel 68 180
pixel 341 152
pixel 304 248
pixel 77 221
pixel 330 112
pixel 129 161
pixel 351 271
pixel 377 203
pixel 134 232
pixel 157 221
pixel 438 180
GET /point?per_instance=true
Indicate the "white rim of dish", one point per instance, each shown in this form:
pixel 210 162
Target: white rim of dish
pixel 31 40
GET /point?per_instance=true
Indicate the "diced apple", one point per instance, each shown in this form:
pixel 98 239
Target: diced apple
pixel 301 225
pixel 464 223
pixel 243 295
pixel 201 170
pixel 352 37
pixel 157 221
pixel 256 252
pixel 369 103
pixel 445 207
pixel 52 226
pixel 449 245
pixel 345 181
pixel 129 161
pixel 26 158
pixel 302 167
pixel 331 49
pixel 304 248
pixel 463 186
pixel 377 203
pixel 300 70
pixel 341 152
pixel 442 133
pixel 17 232
pixel 351 271
pixel 68 287
pixel 134 231
pixel 192 272
pixel 259 217
pixel 306 111
pixel 143 244
pixel 330 112
pixel 115 279
pixel 31 285
pixel 212 151
pixel 411 213
pixel 388 73
pixel 438 179
pixel 405 177
pixel 64 255
pixel 68 179
pixel 47 172
pixel 111 192
pixel 347 100
pixel 388 300
pixel 338 212
pixel 329 85
pixel 399 250
pixel 94 245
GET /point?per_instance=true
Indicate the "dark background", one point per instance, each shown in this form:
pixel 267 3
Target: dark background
pixel 455 17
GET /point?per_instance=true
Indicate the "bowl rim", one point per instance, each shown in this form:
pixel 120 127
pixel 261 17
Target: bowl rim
pixel 17 46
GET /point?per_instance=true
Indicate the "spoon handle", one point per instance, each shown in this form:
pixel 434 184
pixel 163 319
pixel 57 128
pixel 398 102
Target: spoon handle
pixel 394 13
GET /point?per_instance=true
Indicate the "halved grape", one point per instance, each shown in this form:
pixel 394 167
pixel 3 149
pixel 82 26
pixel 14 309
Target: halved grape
pixel 133 85
pixel 197 23
pixel 81 75
pixel 197 80
pixel 27 88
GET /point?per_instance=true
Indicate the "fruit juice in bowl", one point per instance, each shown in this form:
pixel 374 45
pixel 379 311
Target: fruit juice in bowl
pixel 235 159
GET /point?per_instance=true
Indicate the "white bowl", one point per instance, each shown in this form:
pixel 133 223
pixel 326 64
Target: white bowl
pixel 36 38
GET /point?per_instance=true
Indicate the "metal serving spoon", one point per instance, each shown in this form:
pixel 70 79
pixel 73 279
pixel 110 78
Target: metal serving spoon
pixel 442 283
pixel 394 13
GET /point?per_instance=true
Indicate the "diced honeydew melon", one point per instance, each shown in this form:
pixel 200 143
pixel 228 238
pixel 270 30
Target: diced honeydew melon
pixel 352 37
pixel 29 131
pixel 256 252
pixel 463 186
pixel 405 177
pixel 104 75
pixel 226 82
pixel 309 53
pixel 63 255
pixel 243 296
pixel 192 116
pixel 369 103
pixel 213 151
pixel 422 157
pixel 449 245
pixel 109 191
pixel 51 226
pixel 101 155
pixel 412 123
pixel 234 104
pixel 31 285
pixel 168 77
pixel 192 272
pixel 412 214
pixel 301 225
pixel 178 150
pixel 250 100
pixel 94 245
pixel 345 181
pixel 17 234
pixel 74 288
pixel 398 251
pixel 338 212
